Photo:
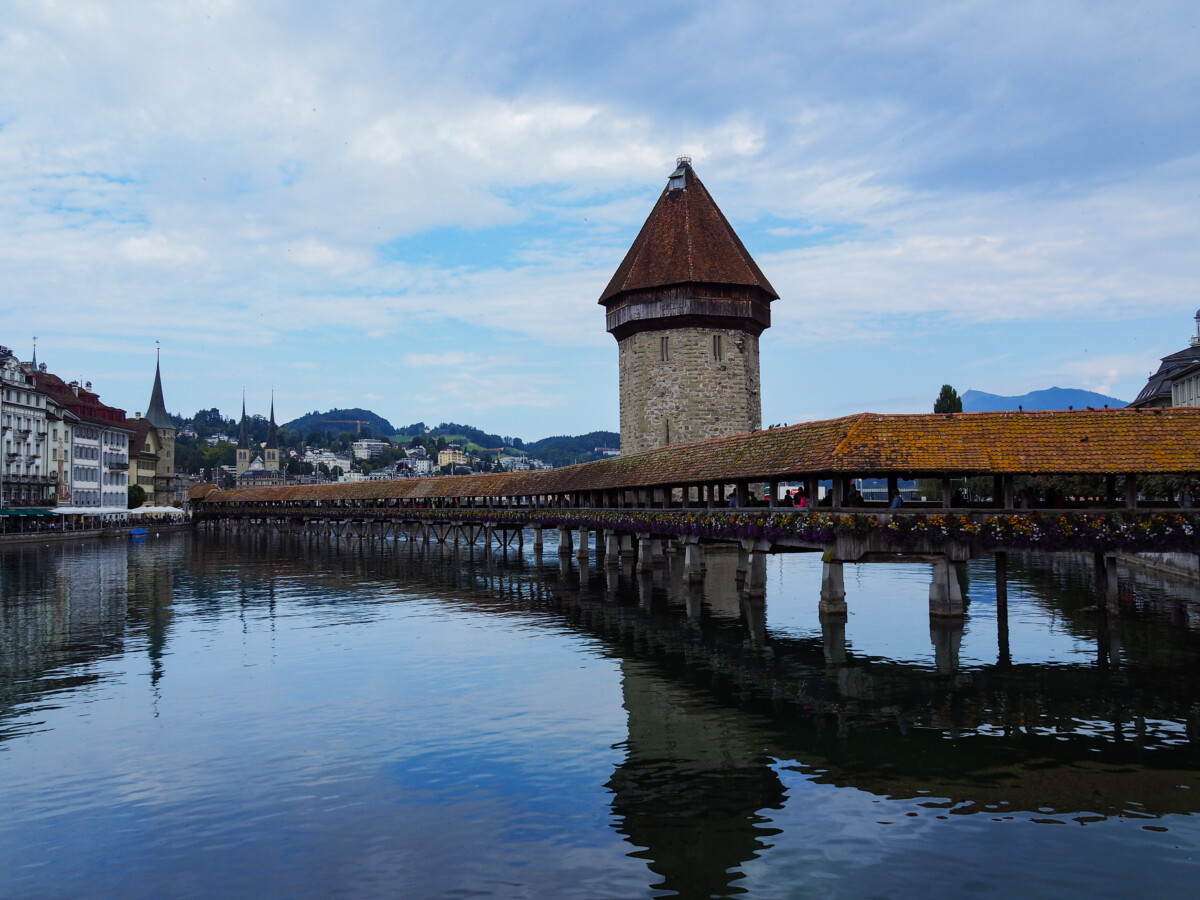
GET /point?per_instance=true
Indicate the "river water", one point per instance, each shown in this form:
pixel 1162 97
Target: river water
pixel 253 716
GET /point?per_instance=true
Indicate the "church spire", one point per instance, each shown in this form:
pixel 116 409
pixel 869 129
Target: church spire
pixel 244 437
pixel 156 412
pixel 272 435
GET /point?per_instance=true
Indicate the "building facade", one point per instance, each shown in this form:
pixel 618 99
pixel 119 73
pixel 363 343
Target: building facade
pixel 99 443
pixel 1160 391
pixel 26 478
pixel 687 306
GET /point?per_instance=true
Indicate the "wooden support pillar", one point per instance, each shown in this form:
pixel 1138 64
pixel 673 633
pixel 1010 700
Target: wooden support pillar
pixel 1007 487
pixel 1131 491
pixel 838 496
pixel 812 487
pixel 1110 490
pixel 893 488
pixel 947 494
pixel 743 494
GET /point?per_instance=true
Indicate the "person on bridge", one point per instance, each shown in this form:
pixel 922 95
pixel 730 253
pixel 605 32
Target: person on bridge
pixel 1185 497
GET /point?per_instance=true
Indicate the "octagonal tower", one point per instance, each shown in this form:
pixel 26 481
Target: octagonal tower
pixel 687 306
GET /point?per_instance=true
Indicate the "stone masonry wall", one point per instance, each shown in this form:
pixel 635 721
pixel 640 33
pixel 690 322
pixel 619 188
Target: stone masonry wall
pixel 692 395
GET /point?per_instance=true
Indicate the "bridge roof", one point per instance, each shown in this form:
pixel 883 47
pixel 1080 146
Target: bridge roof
pixel 1083 442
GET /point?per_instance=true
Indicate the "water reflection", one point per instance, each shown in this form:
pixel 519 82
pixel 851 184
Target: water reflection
pixel 721 702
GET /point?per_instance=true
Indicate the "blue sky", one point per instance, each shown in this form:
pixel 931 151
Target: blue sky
pixel 414 207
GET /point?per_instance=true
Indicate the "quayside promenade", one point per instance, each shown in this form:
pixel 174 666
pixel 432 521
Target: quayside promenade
pixel 639 508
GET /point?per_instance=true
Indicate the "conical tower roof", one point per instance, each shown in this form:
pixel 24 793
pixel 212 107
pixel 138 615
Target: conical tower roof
pixel 156 412
pixel 686 240
pixel 272 432
pixel 244 437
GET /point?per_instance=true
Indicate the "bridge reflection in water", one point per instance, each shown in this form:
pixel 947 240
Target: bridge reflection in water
pixel 716 697
pixel 724 708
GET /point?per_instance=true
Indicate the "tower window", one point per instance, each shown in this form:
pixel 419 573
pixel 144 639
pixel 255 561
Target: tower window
pixel 718 350
pixel 665 348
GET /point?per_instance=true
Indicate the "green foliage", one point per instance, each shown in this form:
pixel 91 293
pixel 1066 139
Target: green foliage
pixel 137 496
pixel 563 450
pixel 948 401
pixel 337 420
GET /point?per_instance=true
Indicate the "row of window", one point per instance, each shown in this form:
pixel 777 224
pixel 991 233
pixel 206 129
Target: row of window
pixel 718 348
pixel 1186 392
pixel 22 397
pixel 86 473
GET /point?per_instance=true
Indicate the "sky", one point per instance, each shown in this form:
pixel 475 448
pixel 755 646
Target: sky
pixel 414 208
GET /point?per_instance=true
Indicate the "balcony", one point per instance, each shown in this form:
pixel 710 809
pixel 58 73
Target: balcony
pixel 118 466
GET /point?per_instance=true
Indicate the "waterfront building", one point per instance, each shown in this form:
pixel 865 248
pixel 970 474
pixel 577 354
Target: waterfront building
pixel 687 306
pixel 25 479
pixel 74 432
pixel 1181 365
pixel 60 444
pixel 144 449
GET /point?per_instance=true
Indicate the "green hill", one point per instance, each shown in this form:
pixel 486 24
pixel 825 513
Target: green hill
pixel 356 421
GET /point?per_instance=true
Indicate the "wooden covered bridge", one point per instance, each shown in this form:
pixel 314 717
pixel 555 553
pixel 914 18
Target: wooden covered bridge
pixel 708 491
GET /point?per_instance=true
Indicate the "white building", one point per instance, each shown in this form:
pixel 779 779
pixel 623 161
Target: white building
pixel 25 478
pixel 419 465
pixel 368 449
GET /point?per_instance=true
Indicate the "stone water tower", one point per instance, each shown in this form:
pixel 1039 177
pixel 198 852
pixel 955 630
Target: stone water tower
pixel 687 306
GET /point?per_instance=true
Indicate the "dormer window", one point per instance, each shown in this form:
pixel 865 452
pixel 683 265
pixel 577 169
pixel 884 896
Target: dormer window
pixel 678 178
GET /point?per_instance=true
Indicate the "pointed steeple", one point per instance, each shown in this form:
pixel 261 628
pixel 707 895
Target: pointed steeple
pixel 35 352
pixel 272 436
pixel 156 412
pixel 686 240
pixel 244 437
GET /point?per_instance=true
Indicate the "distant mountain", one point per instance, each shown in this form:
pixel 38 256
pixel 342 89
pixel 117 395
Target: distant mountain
pixel 1052 398
pixel 339 420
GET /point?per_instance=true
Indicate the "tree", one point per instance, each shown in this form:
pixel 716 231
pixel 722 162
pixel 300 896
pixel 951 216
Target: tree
pixel 948 401
pixel 137 496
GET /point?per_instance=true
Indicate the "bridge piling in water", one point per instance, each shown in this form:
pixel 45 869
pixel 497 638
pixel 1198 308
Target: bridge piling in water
pixel 833 592
pixel 945 595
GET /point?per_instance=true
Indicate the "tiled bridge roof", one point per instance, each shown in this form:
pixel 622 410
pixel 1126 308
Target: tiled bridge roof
pixel 1143 442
